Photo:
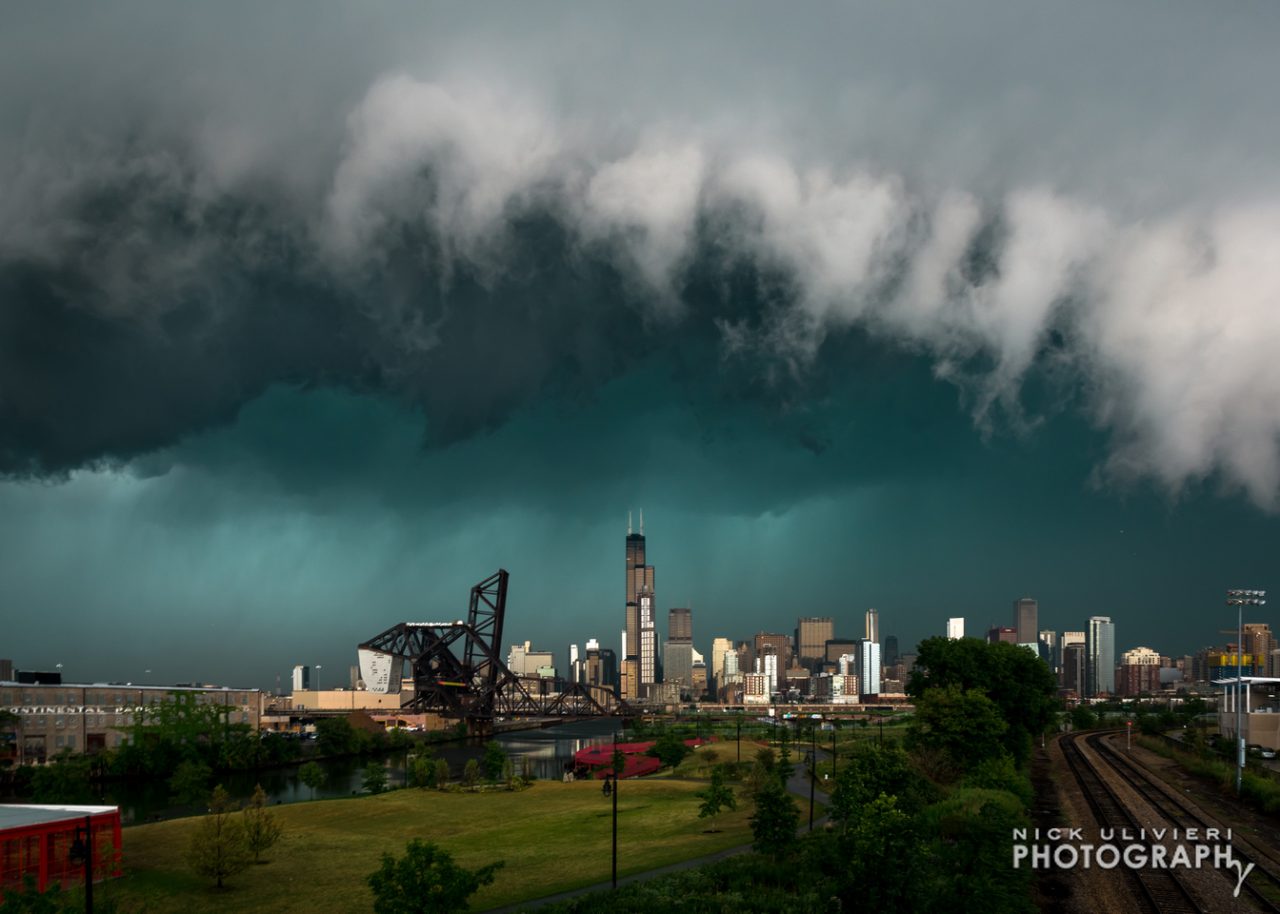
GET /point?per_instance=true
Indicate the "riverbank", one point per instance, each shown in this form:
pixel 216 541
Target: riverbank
pixel 553 837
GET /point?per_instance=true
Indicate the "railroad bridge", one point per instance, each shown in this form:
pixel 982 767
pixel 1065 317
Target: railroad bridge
pixel 457 672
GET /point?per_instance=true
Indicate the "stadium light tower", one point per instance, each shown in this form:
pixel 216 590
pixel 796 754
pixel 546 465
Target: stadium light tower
pixel 1240 599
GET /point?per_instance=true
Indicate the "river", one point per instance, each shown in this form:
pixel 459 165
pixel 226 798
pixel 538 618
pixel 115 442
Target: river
pixel 547 751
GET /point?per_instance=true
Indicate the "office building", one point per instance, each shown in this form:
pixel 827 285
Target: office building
pixel 871 629
pixel 955 627
pixel 719 647
pixel 1050 651
pixel 837 648
pixel 997 634
pixel 647 656
pixel 891 650
pixel 523 660
pixel 677 664
pixel 677 653
pixel 1258 643
pixel 301 678
pixel 779 646
pixel 635 663
pixel 680 624
pixel 767 665
pixel 1100 657
pixel 1026 620
pixel 812 635
pixel 92 717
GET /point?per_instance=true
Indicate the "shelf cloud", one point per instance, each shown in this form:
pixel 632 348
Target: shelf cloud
pixel 473 234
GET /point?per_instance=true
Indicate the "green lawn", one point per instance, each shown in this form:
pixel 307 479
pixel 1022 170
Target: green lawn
pixel 552 836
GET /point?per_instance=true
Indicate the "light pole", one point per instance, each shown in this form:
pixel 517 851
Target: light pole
pixel 1240 599
pixel 318 669
pixel 610 788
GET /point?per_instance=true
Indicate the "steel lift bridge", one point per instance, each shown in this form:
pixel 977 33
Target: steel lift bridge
pixel 457 672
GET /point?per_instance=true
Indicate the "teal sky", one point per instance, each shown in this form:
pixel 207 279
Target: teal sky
pixel 303 331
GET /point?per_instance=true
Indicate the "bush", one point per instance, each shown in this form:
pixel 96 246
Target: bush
pixel 425 881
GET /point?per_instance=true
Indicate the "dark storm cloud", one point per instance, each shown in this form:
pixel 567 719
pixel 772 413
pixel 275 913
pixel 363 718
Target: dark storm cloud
pixel 470 220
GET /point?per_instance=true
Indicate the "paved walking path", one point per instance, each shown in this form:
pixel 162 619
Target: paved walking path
pixel 797 784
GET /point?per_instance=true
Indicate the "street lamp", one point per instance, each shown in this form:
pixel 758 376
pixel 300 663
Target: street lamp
pixel 318 669
pixel 813 779
pixel 82 852
pixel 1240 599
pixel 610 789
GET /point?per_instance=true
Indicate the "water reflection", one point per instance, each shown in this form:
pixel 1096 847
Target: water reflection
pixel 547 752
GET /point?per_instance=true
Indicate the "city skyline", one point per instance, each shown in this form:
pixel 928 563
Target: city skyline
pixel 301 335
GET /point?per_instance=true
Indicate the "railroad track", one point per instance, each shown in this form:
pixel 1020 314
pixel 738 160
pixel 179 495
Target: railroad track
pixel 1158 891
pixel 1263 884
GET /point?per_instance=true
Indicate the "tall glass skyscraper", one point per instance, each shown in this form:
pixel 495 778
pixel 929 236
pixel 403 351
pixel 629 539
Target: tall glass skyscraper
pixel 1100 657
pixel 639 582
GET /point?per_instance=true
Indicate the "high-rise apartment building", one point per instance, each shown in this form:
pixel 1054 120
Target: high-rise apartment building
pixel 871 630
pixel 955 627
pixel 1026 620
pixel 812 635
pixel 639 581
pixel 1139 671
pixel 869 667
pixel 1100 657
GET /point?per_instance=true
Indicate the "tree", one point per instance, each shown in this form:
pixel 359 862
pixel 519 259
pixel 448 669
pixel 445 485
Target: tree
pixel 619 762
pixel 422 772
pixel 375 777
pixel 1016 680
pixel 764 770
pixel 773 824
pixel 336 736
pixel 669 749
pixel 881 856
pixel 190 782
pixel 471 772
pixel 493 761
pixel 871 771
pixel 717 797
pixel 964 725
pixel 442 773
pixel 261 830
pixel 218 849
pixel 313 776
pixel 1082 718
pixel 425 881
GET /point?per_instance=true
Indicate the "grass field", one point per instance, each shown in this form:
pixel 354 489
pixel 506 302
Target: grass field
pixel 553 837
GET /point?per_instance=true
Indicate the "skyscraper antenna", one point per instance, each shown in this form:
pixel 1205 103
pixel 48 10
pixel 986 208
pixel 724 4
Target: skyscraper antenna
pixel 642 521
pixel 628 523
